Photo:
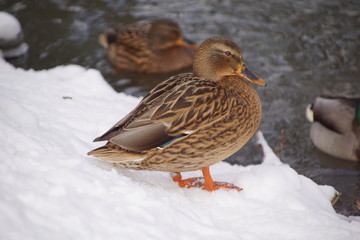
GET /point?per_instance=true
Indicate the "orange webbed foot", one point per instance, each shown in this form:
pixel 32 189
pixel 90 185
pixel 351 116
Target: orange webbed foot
pixel 205 182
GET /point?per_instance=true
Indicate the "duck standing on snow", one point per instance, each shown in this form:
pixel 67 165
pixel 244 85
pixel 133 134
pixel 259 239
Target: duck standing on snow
pixel 336 126
pixel 156 47
pixel 191 120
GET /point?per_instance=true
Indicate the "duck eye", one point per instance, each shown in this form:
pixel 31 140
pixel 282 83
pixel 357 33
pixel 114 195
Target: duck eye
pixel 228 53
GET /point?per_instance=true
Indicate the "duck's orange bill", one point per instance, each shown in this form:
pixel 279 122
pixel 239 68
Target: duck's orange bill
pixel 186 43
pixel 246 74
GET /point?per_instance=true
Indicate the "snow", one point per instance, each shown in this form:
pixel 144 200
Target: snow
pixel 9 25
pixel 50 189
pixel 11 37
pixel 15 52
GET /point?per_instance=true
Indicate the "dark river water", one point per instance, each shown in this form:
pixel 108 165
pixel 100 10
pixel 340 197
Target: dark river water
pixel 300 48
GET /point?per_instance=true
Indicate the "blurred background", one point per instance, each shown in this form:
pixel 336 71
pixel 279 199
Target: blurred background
pixel 300 48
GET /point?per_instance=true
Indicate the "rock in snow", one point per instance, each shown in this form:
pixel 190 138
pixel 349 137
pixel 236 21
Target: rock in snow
pixel 50 189
pixel 11 37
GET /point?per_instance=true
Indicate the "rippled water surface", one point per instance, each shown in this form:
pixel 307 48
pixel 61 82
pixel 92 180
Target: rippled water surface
pixel 301 48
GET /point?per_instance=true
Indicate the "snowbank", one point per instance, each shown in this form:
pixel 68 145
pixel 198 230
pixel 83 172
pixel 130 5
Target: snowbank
pixel 50 189
pixel 11 37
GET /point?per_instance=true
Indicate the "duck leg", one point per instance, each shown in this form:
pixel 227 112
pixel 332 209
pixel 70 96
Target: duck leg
pixel 205 182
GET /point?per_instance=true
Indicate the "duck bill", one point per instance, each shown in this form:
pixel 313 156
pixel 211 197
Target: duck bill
pixel 246 74
pixel 186 43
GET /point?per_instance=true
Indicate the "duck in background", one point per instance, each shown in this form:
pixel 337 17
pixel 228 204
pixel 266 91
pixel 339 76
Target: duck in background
pixel 191 120
pixel 155 47
pixel 335 127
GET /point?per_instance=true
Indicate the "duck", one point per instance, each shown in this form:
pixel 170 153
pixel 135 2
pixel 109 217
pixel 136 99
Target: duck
pixel 149 47
pixel 191 120
pixel 335 125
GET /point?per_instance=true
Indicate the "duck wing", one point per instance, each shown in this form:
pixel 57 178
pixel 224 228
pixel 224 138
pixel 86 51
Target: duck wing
pixel 178 106
pixel 133 37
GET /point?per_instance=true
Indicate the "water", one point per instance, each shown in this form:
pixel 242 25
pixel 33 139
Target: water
pixel 301 48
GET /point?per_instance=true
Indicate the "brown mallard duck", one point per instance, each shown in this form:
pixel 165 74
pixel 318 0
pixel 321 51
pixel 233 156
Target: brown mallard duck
pixel 190 121
pixel 156 47
pixel 336 126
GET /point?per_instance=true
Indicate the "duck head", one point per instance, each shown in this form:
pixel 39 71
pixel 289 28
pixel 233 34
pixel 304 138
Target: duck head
pixel 218 57
pixel 165 33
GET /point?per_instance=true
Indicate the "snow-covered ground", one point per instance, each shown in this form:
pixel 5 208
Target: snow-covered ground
pixel 50 189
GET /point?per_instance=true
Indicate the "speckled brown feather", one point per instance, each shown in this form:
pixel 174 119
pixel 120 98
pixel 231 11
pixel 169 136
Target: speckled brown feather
pixel 222 116
pixel 180 105
pixel 217 117
pixel 135 47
